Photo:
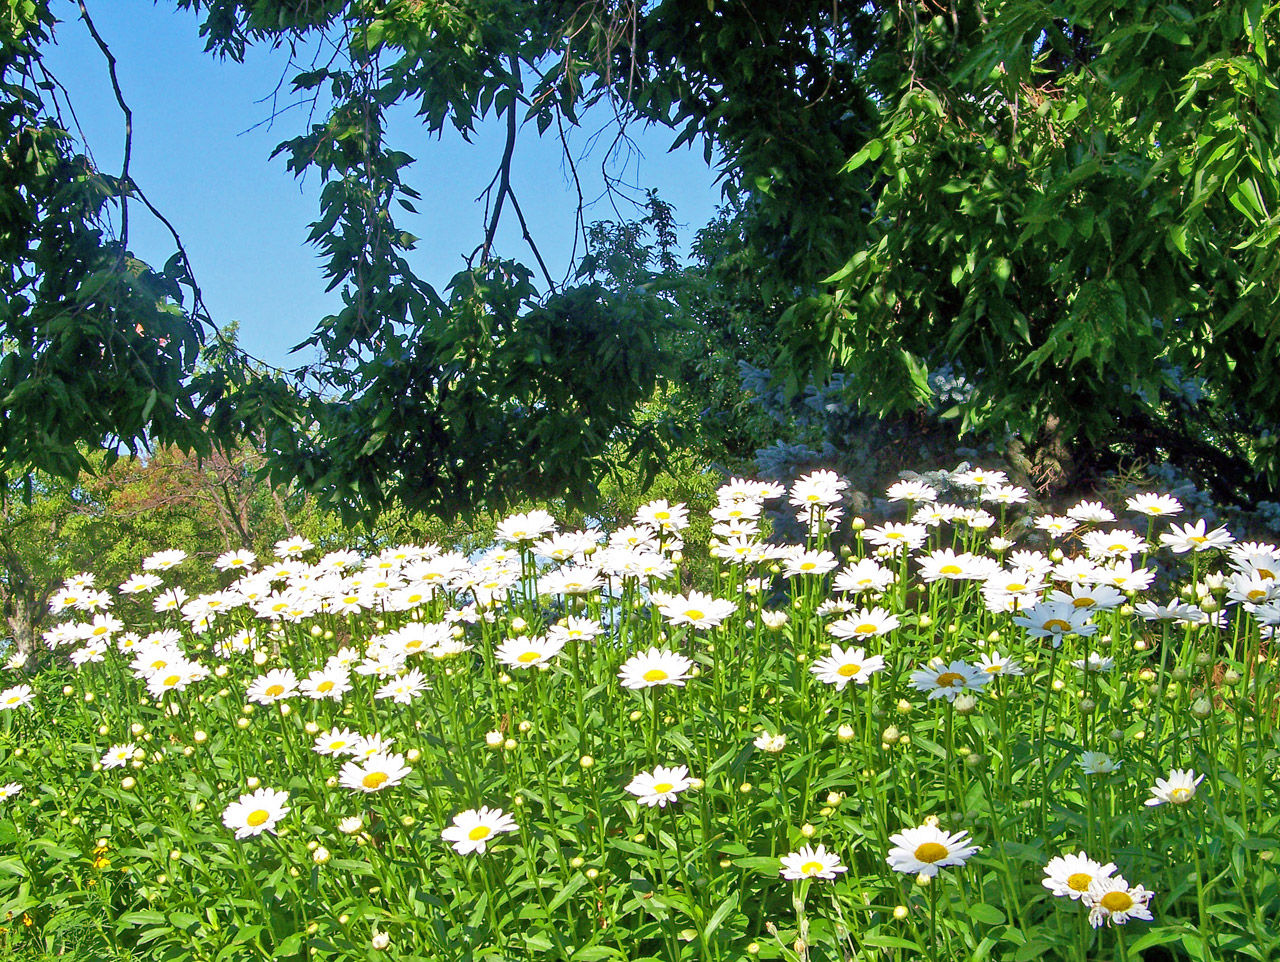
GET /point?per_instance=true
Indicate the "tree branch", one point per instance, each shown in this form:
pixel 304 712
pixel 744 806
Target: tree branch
pixel 128 129
pixel 503 175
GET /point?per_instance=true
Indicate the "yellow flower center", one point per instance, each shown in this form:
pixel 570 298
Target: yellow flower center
pixel 866 628
pixel 807 566
pixel 950 570
pixel 479 832
pixel 1116 902
pixel 812 868
pixel 528 656
pixel 274 691
pixel 100 630
pixel 257 817
pixel 1057 624
pixel 1015 586
pixel 1082 602
pixel 1079 881
pixel 656 674
pixel 848 671
pixel 1256 594
pixel 662 788
pixel 930 852
pixel 374 780
pixel 993 669
pixel 172 680
pixel 1267 574
pixel 1180 796
pixel 325 686
pixel 1118 546
pixel 158 664
pixel 1198 538
pixel 693 614
pixel 949 679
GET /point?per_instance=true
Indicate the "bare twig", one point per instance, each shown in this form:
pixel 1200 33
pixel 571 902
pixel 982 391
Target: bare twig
pixel 128 129
pixel 503 174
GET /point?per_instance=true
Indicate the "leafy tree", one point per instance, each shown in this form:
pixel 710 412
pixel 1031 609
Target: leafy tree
pixel 1076 204
pixel 99 349
pixel 1072 204
pixel 57 533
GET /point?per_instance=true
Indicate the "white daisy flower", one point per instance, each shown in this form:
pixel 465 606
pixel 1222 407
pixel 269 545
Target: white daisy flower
pixel 256 813
pixel 1091 512
pixel 292 547
pixel 660 786
pixel 997 665
pixel 276 685
pixel 164 560
pixel 697 610
pixel 924 850
pixel 524 527
pixel 655 667
pixel 339 741
pixel 911 491
pixel 1097 763
pixel 1071 875
pixel 865 574
pixel 1112 902
pixel 404 688
pixel 942 680
pixel 472 830
pixel 1195 537
pixel 118 756
pixel 866 623
pixel 330 683
pixel 235 561
pixel 808 862
pixel 374 773
pixel 846 665
pixel 1178 789
pixel 772 744
pixel 1094 662
pixel 137 584
pixel 1154 505
pixel 662 516
pixel 529 651
pixel 798 561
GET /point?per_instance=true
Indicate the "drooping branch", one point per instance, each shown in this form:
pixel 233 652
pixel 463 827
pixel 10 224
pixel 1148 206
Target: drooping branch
pixel 125 185
pixel 502 182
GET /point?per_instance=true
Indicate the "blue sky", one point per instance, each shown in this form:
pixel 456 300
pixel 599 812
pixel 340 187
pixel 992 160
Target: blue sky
pixel 243 218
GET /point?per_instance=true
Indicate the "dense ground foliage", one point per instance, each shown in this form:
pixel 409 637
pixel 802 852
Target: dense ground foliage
pixel 895 739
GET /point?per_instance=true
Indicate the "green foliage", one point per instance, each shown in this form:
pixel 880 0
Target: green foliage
pixel 1072 205
pixel 98 349
pixel 1077 205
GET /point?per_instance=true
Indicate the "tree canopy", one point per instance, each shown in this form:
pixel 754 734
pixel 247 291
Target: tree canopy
pixel 1073 204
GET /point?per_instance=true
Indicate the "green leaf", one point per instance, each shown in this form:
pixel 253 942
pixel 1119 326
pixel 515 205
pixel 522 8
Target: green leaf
pixel 986 914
